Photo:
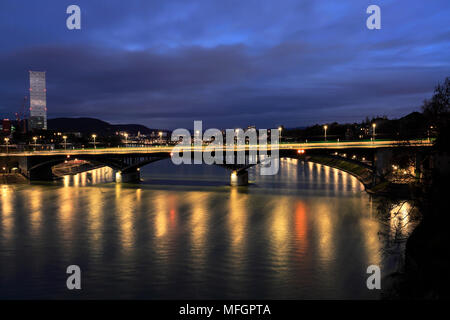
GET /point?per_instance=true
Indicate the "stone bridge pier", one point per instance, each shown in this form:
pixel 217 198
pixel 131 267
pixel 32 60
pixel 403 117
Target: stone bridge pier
pixel 133 176
pixel 43 173
pixel 239 165
pixel 382 162
pixel 239 178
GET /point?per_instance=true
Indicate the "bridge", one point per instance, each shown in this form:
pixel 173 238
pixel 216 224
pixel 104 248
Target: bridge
pixel 37 165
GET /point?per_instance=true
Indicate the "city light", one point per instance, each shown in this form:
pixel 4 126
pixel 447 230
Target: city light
pixel 7 144
pixel 234 178
pixel 118 176
pixel 94 136
pixel 280 129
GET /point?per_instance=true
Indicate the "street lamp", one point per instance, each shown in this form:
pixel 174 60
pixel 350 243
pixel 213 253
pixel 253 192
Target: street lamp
pixel 94 136
pixel 7 143
pixel 65 142
pixel 160 135
pixel 126 139
pixel 280 128
pixel 35 139
pixel 428 131
pixel 325 127
pixel 374 125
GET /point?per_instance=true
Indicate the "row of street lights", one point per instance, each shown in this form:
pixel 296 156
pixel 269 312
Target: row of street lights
pixel 7 144
pixel 374 125
pixel 65 141
pixel 94 136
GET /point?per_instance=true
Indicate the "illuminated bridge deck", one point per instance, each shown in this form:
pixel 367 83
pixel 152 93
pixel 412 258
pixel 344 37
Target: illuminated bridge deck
pixel 282 146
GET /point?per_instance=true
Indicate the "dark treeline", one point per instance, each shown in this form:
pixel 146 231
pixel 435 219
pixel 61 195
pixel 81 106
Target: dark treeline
pixel 427 257
pixel 413 126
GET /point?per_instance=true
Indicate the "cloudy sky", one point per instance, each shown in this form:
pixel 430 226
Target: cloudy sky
pixel 166 63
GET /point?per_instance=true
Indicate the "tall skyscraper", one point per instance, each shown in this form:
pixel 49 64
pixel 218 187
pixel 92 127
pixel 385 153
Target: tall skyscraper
pixel 38 100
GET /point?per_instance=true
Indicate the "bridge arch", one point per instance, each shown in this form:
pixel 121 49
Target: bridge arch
pixel 43 170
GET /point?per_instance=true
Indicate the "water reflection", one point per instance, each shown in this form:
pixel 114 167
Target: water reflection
pixel 301 228
pixel 35 205
pixel 95 211
pixel 325 228
pixel 238 231
pixel 65 217
pixel 7 211
pixel 237 220
pixel 125 207
pixel 283 236
pixel 199 216
pixel 91 177
pixel 400 218
pixel 279 229
pixel 161 212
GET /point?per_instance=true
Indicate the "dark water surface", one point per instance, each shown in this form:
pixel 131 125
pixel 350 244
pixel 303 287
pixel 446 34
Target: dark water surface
pixel 308 232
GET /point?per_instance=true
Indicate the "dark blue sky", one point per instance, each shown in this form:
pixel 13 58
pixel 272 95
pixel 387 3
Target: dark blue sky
pixel 165 63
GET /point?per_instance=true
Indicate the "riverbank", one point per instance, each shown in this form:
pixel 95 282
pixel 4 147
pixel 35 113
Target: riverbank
pixel 12 178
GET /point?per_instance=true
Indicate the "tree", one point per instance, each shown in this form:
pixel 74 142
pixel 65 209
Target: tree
pixel 437 112
pixel 439 104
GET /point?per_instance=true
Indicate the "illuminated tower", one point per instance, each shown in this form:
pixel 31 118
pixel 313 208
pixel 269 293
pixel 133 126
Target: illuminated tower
pixel 38 101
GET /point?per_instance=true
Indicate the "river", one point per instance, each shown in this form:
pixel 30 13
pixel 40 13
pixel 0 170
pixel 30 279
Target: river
pixel 309 232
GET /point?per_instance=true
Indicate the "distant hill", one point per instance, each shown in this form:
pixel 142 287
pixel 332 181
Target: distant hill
pixel 89 125
pixel 413 117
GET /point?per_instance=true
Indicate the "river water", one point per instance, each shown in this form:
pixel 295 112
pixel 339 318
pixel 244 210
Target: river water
pixel 308 232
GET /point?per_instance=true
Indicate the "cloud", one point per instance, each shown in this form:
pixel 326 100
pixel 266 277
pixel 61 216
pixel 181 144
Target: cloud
pixel 167 63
